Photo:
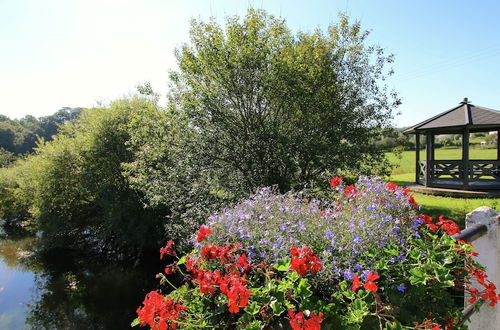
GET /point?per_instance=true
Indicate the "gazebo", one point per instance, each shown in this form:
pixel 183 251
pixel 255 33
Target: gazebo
pixel 464 174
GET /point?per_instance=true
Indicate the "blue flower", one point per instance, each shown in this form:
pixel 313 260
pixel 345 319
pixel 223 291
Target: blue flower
pixel 329 234
pixel 348 274
pixel 358 267
pixel 401 288
pixel 356 238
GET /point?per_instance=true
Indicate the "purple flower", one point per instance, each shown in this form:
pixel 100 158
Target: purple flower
pixel 356 238
pixel 348 274
pixel 358 267
pixel 329 235
pixel 401 288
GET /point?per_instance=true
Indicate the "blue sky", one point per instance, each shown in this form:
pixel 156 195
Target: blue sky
pixel 57 53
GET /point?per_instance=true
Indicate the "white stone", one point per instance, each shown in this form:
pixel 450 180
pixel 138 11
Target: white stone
pixel 488 247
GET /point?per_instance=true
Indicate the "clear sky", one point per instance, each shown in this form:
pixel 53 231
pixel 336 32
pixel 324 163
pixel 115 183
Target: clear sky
pixel 57 53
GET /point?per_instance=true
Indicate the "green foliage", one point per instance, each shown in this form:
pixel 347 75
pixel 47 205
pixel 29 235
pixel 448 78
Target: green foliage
pixel 75 188
pixel 166 170
pixel 6 157
pixel 274 108
pixel 20 136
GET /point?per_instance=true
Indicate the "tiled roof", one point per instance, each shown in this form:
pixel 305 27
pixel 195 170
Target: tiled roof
pixel 464 115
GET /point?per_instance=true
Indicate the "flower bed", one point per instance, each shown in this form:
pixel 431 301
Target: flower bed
pixel 362 258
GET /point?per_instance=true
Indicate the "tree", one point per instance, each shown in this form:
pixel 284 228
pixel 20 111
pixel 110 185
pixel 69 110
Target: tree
pixel 271 107
pixel 76 189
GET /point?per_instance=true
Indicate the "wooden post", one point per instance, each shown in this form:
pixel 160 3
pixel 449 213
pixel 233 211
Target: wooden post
pixel 428 153
pixel 498 145
pixel 433 149
pixel 417 157
pixel 465 157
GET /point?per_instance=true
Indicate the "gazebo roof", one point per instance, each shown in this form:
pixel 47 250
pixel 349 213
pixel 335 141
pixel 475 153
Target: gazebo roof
pixel 457 119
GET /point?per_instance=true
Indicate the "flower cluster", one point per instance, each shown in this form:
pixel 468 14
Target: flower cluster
pixel 488 291
pixel 304 260
pixel 376 263
pixel 340 229
pixel 370 284
pixel 160 312
pixel 298 321
pixel 448 226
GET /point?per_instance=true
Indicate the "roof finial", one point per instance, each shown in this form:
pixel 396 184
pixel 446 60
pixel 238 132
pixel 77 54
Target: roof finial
pixel 465 101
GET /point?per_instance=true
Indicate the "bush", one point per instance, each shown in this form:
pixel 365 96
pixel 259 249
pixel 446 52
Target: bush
pixel 363 259
pixel 74 187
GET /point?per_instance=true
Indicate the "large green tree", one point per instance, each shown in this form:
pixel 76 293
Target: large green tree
pixel 272 107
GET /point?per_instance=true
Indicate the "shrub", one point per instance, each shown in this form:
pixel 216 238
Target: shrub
pixel 310 263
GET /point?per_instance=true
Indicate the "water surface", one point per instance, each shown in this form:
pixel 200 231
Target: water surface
pixel 68 289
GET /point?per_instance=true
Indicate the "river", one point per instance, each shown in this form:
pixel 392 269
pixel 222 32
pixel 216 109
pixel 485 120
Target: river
pixel 68 289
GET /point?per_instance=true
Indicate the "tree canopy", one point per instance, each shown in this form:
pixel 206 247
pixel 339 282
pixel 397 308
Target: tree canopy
pixel 277 108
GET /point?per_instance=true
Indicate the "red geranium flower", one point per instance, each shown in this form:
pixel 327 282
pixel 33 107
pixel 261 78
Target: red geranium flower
pixel 168 249
pixel 334 182
pixel 370 284
pixel 304 260
pixel 298 321
pixel 350 191
pixel 392 186
pixel 159 312
pixel 355 283
pixel 202 233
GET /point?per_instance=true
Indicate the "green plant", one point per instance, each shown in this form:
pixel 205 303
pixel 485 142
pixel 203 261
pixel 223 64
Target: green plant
pixel 413 278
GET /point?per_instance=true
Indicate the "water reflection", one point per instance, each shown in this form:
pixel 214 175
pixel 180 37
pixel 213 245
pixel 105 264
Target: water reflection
pixel 67 289
pixel 15 282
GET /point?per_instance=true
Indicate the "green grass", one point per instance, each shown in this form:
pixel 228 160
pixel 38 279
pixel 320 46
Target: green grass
pixel 452 208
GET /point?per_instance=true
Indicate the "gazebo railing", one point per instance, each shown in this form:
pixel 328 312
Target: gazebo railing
pixel 453 172
pixel 422 165
pixel 451 169
pixel 484 170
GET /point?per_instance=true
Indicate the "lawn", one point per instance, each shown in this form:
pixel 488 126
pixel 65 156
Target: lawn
pixel 453 208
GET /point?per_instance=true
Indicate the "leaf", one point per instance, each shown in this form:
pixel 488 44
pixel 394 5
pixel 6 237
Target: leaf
pixel 252 308
pixel 283 265
pixel 135 322
pixel 181 261
pixel 349 294
pixel 418 276
pixel 255 325
pixel 277 307
pixel 303 289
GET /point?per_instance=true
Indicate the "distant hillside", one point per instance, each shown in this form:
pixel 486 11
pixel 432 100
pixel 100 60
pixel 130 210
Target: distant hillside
pixel 19 136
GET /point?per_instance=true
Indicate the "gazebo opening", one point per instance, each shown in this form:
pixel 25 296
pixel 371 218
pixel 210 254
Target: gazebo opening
pixel 444 157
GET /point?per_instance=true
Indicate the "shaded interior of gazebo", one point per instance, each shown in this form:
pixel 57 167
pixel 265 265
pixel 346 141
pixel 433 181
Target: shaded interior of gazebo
pixel 464 174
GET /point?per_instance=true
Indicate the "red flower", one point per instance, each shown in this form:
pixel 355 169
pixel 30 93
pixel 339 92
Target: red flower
pixel 412 200
pixel 170 269
pixel 350 191
pixel 298 321
pixel 334 182
pixel 209 252
pixel 169 249
pixel 392 186
pixel 233 287
pixel 304 260
pixel 370 284
pixel 159 312
pixel 202 233
pixel 355 283
pixel 449 226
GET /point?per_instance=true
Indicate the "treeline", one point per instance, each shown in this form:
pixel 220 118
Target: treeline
pixel 20 136
pixel 251 105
